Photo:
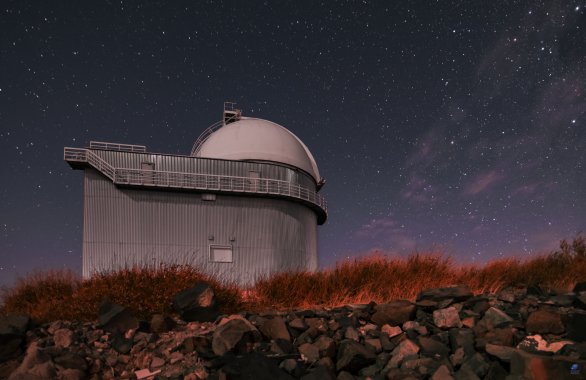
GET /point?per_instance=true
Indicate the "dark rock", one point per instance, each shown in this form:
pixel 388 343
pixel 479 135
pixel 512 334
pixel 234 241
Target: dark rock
pixel 447 318
pixel 236 334
pixel 536 291
pixel 576 327
pixel 496 372
pixel 462 338
pixel 494 317
pixel 466 373
pixel 320 373
pixel 432 347
pixel 531 366
pixel 504 353
pixel 544 322
pixel 160 324
pixel 253 366
pixel 309 352
pixel 121 344
pixel 12 330
pixel 197 304
pixel 115 318
pixel 352 356
pixel 36 364
pixel 563 300
pixel 71 360
pixel 298 324
pixel 326 346
pixel 280 346
pixel 405 349
pixel 394 313
pixel 442 373
pixel 580 300
pixel 275 328
pixel 457 293
pixel 580 287
pixel 477 364
pixel 307 336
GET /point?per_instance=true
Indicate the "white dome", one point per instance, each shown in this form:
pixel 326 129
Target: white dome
pixel 259 140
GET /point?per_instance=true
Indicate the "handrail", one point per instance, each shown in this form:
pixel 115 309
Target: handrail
pixel 204 136
pixel 196 181
pixel 115 146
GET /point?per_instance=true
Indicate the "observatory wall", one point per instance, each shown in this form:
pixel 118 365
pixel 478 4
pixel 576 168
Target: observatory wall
pixel 126 227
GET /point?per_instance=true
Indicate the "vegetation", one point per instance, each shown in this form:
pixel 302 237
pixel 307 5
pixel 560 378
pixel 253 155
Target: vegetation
pixel 62 295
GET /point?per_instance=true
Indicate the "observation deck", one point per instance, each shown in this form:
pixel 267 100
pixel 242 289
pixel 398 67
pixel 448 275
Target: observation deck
pixel 79 158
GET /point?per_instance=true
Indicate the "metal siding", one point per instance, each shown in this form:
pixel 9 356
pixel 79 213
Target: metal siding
pixel 127 227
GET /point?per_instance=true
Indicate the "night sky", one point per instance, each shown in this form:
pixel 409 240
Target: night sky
pixel 456 126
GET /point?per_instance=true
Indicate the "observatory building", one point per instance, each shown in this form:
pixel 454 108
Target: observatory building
pixel 244 203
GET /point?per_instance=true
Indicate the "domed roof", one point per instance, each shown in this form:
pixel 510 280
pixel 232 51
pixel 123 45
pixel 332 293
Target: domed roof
pixel 259 140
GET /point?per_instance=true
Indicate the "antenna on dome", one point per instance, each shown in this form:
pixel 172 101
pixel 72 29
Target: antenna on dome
pixel 231 114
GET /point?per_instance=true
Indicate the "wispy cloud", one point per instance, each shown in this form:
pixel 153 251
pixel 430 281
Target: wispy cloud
pixel 483 182
pixel 385 232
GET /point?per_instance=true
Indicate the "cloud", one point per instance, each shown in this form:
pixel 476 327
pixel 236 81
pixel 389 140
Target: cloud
pixel 385 232
pixel 418 190
pixel 482 182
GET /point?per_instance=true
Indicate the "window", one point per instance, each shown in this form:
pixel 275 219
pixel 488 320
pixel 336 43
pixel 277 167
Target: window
pixel 253 181
pixel 221 253
pixel 146 167
pixel 208 197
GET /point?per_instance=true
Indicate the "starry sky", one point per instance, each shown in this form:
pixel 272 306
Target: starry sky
pixel 457 126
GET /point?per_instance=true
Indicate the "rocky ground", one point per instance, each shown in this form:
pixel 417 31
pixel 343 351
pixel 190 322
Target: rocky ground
pixel 448 333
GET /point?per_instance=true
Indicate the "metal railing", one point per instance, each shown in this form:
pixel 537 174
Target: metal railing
pixel 196 181
pixel 120 147
pixel 204 136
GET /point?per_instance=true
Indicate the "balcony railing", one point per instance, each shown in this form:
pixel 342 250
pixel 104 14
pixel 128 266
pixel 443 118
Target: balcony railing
pixel 119 147
pixel 196 181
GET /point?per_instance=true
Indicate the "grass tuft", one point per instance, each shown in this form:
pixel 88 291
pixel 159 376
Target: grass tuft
pixel 58 295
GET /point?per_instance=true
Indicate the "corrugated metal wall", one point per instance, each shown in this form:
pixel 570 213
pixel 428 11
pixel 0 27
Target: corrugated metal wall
pixel 206 166
pixel 127 227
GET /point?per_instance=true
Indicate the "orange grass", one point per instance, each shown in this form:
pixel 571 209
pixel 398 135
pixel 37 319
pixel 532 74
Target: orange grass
pixel 62 295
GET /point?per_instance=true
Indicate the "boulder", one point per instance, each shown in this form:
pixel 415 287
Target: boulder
pixel 115 318
pixel 462 338
pixel 36 364
pixel 234 334
pixel 432 347
pixel 63 338
pixel 442 373
pixel 12 330
pixel 576 327
pixel 405 349
pixel 197 304
pixel 447 318
pixel 526 365
pixel 391 331
pixel 253 366
pixel 580 287
pixel 320 372
pixel 494 317
pixel 504 353
pixel 544 322
pixel 275 328
pixel 160 323
pixel 456 293
pixel 352 356
pixel 309 352
pixel 395 313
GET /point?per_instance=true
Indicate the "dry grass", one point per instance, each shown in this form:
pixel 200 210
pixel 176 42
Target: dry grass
pixel 62 295
pixel 145 291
